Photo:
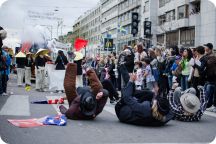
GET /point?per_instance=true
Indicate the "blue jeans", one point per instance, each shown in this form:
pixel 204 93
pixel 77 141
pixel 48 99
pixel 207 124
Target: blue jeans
pixel 210 91
pixel 1 86
pixel 184 82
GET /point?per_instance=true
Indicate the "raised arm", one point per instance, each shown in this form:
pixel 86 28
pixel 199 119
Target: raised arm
pixel 95 84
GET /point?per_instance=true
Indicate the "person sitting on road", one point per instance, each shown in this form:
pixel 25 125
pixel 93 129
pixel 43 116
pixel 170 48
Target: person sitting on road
pixel 139 107
pixel 84 102
pixel 185 105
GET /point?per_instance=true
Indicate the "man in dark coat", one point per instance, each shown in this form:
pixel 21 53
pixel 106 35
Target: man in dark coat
pixel 139 107
pixel 84 102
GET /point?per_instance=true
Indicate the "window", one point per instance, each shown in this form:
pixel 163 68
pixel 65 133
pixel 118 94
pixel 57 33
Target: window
pixel 172 38
pixel 160 39
pixel 183 12
pixel 161 19
pixel 146 8
pixel 161 3
pixel 187 37
pixel 170 16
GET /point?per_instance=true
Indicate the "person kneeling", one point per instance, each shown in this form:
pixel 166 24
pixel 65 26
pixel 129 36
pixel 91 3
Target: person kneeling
pixel 143 110
pixel 185 105
pixel 84 102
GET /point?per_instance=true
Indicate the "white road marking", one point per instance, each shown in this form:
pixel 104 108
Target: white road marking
pixel 16 105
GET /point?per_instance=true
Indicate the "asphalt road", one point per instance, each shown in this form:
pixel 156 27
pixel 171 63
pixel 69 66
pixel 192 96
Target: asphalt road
pixel 104 129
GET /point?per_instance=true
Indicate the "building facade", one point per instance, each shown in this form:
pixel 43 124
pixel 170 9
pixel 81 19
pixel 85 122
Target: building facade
pixel 179 22
pixel 187 23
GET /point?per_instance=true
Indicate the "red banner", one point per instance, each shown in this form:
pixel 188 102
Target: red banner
pixel 27 123
pixel 80 43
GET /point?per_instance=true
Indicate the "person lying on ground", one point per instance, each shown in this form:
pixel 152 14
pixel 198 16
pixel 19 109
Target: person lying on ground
pixel 84 102
pixel 185 105
pixel 140 107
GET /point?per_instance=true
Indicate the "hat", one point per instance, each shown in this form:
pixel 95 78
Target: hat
pixel 42 52
pixel 163 105
pixel 190 102
pixel 78 56
pixel 20 55
pixel 209 45
pixel 88 104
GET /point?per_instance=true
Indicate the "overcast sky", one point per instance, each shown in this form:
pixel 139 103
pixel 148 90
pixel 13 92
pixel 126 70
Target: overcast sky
pixel 14 14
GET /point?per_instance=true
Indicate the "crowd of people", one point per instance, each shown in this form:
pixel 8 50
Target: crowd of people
pixel 156 85
pixel 147 86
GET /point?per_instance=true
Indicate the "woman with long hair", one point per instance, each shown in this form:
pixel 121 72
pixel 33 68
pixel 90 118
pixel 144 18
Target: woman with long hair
pixel 186 63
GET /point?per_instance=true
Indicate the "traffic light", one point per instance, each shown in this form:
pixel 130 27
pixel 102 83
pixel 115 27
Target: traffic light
pixel 134 23
pixel 147 28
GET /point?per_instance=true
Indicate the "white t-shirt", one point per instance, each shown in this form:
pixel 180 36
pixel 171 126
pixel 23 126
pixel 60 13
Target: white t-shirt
pixel 140 76
pixel 149 77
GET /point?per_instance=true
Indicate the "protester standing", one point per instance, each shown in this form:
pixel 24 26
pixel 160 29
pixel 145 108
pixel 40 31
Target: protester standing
pixel 20 61
pixel 61 61
pixel 28 66
pixel 40 72
pixel 186 63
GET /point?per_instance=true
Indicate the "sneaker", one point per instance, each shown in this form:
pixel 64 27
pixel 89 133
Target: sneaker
pixel 4 94
pixel 212 109
pixel 62 109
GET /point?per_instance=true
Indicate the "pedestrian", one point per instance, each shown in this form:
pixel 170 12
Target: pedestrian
pixel 185 105
pixel 198 75
pixel 139 73
pixel 162 78
pixel 40 72
pixel 28 68
pixel 140 107
pixel 148 74
pixel 61 61
pixel 140 54
pixel 210 76
pixel 84 102
pixel 20 61
pixel 186 63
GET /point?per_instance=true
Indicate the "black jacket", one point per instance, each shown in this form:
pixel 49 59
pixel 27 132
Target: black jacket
pixel 28 63
pixel 20 62
pixel 129 63
pixel 39 62
pixel 60 62
pixel 131 110
pixel 79 67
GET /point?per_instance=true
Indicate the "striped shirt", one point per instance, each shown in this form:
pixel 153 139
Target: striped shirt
pixel 178 110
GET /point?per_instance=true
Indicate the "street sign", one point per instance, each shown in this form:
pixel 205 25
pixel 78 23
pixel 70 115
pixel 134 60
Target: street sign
pixel 108 44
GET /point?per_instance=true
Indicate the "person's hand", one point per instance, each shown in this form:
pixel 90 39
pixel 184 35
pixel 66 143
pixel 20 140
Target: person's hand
pixel 99 95
pixel 175 85
pixel 133 77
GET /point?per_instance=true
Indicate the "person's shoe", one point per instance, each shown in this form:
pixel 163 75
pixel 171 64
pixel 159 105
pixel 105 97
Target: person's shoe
pixel 4 94
pixel 62 109
pixel 212 109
